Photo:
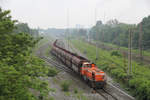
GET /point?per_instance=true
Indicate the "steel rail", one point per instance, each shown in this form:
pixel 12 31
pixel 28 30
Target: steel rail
pixel 106 94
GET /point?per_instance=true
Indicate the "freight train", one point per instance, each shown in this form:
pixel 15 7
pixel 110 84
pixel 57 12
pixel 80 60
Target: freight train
pixel 89 72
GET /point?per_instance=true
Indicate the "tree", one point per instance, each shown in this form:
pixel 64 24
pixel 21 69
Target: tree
pixel 6 24
pixel 19 69
pixel 24 28
pixel 112 32
pixel 99 23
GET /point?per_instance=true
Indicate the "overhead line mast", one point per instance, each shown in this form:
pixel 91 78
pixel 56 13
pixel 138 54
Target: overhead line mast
pixel 130 53
pixel 140 43
pixel 68 26
pixel 96 35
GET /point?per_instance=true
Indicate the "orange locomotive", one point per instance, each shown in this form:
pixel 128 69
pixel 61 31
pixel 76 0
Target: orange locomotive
pixel 90 73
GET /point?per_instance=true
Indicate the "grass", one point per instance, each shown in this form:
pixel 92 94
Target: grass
pixel 136 51
pixel 51 98
pixel 55 80
pixel 43 41
pixel 52 90
pixel 47 51
pixel 138 81
pixel 67 93
pixel 80 96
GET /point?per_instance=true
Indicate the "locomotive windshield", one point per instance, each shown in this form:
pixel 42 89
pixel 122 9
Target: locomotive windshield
pixel 86 64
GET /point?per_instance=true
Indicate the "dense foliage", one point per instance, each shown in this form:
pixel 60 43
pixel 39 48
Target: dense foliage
pixel 144 28
pixel 19 69
pixel 23 27
pixel 117 33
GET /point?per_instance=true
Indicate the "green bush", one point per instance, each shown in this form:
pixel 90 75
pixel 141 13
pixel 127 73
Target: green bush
pixel 115 53
pixel 65 85
pixel 141 87
pixel 52 72
pixel 75 90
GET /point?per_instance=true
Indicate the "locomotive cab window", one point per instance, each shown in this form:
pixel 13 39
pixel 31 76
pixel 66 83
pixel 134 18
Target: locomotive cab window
pixel 86 65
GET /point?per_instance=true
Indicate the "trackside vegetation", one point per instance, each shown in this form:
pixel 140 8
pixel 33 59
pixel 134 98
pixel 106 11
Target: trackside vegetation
pixel 52 72
pixel 138 82
pixel 65 85
pixel 19 69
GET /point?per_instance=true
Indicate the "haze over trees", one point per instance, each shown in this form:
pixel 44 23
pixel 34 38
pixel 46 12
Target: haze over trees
pixel 117 33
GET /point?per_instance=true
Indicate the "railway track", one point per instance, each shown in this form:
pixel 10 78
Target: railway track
pixel 107 93
pixel 103 92
pixel 56 64
pixel 118 94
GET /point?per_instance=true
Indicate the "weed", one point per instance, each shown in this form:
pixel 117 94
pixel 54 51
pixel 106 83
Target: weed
pixel 65 85
pixel 52 72
pixel 75 90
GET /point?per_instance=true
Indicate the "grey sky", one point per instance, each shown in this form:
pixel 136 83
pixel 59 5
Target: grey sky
pixel 53 13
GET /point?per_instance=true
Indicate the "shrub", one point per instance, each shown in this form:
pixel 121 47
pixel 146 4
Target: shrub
pixel 75 90
pixel 65 85
pixel 140 87
pixel 52 72
pixel 115 53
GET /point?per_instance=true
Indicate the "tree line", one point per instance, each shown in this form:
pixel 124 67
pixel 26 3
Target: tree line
pixel 117 33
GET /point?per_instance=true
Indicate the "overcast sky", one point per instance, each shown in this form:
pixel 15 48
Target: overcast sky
pixel 53 13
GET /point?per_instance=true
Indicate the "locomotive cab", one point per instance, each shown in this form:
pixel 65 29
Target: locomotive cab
pixel 92 74
pixel 88 65
pixel 85 67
